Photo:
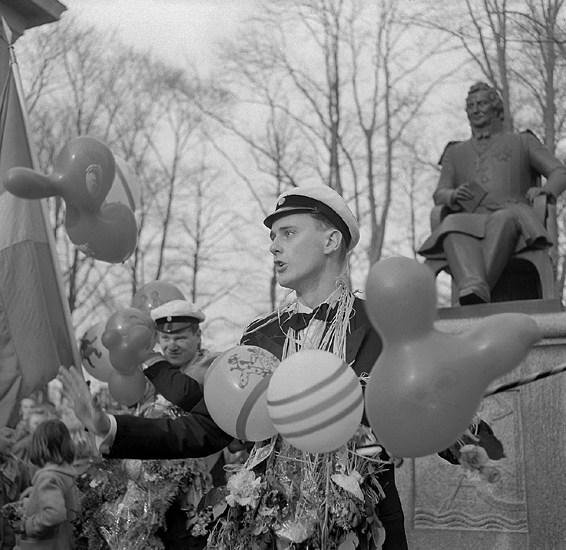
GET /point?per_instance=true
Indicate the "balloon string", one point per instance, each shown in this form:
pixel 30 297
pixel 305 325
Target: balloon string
pixel 526 380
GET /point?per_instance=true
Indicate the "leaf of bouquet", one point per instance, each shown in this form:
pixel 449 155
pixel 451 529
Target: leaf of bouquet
pixel 350 542
pixel 215 499
pixel 349 484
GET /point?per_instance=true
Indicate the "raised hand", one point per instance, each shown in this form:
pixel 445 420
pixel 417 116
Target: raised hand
pixel 86 407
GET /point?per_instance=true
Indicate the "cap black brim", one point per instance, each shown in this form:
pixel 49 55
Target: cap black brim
pixel 268 222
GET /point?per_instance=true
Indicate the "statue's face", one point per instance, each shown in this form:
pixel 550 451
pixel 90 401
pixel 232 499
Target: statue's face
pixel 479 109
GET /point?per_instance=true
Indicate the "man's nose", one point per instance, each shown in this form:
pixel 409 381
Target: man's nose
pixel 274 248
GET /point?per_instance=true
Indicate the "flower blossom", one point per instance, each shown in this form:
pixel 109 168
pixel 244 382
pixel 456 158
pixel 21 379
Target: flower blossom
pixel 244 489
pixel 490 474
pixel 473 457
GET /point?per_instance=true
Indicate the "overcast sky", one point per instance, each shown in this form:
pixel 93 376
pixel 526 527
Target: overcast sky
pixel 178 30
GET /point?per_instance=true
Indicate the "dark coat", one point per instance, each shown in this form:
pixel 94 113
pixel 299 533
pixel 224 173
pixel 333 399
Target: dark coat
pixel 363 346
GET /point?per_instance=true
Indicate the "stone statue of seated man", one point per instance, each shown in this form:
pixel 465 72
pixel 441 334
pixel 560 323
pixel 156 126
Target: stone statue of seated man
pixel 488 184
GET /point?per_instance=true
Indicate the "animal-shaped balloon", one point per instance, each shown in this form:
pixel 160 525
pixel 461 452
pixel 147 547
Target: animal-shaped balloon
pixel 155 294
pixel 129 336
pixel 127 389
pixel 82 176
pixel 427 385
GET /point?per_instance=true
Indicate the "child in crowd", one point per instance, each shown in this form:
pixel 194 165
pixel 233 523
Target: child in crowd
pixel 14 478
pixel 22 447
pixel 52 503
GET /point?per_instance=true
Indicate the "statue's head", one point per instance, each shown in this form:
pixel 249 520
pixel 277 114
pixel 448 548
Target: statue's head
pixel 482 104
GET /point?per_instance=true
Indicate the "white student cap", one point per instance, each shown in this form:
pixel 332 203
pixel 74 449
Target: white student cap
pixel 176 315
pixel 323 199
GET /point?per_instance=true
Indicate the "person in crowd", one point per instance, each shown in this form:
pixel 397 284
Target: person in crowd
pixel 27 404
pixel 312 230
pixel 180 340
pixel 14 479
pixel 489 183
pixel 50 504
pixel 83 442
pixel 22 447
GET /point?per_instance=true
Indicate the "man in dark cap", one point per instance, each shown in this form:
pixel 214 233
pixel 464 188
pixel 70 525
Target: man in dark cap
pixel 489 183
pixel 180 339
pixel 312 230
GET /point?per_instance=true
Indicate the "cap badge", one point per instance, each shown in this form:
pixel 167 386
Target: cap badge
pixel 281 201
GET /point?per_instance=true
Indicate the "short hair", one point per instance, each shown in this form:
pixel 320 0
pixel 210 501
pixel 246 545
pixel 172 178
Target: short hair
pixel 494 97
pixel 323 223
pixel 51 442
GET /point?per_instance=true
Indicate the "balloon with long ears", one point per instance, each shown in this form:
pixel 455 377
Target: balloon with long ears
pixel 128 389
pixel 83 176
pixel 130 335
pixel 155 294
pixel 426 385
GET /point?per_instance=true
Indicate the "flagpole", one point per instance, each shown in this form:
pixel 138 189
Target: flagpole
pixel 45 212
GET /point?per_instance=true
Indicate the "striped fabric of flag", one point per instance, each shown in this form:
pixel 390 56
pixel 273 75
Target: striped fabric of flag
pixel 36 335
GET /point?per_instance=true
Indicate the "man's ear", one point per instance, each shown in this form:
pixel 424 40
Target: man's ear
pixel 333 241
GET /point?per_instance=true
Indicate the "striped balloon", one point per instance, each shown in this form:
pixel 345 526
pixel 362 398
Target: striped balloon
pixel 315 401
pixel 235 392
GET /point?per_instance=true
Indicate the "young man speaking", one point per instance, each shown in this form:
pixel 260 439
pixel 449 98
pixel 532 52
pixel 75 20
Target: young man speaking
pixel 312 230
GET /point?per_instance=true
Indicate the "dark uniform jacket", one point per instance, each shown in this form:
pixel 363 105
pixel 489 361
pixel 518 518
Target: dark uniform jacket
pixel 197 435
pixel 506 168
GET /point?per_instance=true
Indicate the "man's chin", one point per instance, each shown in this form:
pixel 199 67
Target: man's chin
pixel 284 282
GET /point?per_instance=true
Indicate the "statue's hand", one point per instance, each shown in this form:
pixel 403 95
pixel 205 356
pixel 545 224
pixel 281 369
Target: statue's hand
pixel 86 407
pixel 534 192
pixel 462 193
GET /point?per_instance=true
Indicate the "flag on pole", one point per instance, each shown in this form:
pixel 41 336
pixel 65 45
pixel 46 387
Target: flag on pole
pixel 36 333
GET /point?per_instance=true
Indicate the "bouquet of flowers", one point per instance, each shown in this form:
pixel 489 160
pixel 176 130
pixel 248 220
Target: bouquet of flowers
pixel 14 513
pixel 124 502
pixel 476 451
pixel 286 498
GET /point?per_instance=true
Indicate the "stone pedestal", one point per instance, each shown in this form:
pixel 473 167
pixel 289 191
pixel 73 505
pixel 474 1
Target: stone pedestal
pixel 526 510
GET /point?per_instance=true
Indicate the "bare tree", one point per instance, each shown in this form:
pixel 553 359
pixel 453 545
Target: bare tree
pixel 142 109
pixel 340 78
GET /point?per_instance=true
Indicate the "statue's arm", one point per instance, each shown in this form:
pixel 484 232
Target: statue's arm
pixel 546 164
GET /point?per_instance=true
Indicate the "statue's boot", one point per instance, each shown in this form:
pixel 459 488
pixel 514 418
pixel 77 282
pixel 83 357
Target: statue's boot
pixel 466 263
pixel 502 232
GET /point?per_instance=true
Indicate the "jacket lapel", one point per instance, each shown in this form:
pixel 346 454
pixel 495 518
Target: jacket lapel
pixel 354 341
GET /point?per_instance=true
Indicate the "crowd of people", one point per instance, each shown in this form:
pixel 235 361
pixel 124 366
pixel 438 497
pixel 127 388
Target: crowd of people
pixel 49 449
pixel 39 460
pixel 312 230
pixel 279 497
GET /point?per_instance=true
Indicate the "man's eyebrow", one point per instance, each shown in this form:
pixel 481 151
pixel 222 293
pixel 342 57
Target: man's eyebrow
pixel 285 227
